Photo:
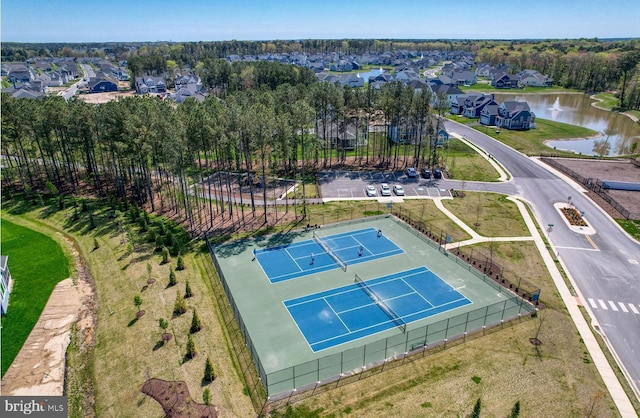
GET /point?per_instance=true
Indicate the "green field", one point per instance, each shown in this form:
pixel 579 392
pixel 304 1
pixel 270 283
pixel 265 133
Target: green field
pixel 37 264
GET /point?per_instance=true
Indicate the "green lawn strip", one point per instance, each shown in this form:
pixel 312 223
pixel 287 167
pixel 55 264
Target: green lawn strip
pixel 37 263
pixel 531 141
pixel 606 101
pixel 632 227
pixel 489 214
pixel 464 163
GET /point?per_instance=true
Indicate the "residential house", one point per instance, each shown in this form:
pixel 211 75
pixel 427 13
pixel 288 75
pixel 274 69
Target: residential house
pixel 488 114
pixel 6 283
pixel 20 72
pixel 534 79
pixel 444 96
pixel 505 81
pixel 342 66
pixel 149 84
pixel 473 104
pixel 341 136
pixel 102 83
pixel 463 77
pixel 513 114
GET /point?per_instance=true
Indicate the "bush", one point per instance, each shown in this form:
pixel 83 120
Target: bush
pixel 191 348
pixel 187 290
pixel 208 371
pixel 96 244
pixel 172 278
pixel 180 265
pixel 159 242
pixel 165 255
pixel 180 305
pixel 196 325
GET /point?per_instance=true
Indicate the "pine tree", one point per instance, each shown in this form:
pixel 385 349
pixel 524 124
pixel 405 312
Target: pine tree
pixel 180 263
pixel 206 397
pixel 165 255
pixel 191 347
pixel 208 371
pixel 515 412
pixel 180 305
pixel 159 242
pixel 187 291
pixel 96 244
pixel 196 325
pixel 476 409
pixel 172 278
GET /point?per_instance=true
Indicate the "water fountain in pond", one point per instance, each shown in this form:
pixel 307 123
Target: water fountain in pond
pixel 556 105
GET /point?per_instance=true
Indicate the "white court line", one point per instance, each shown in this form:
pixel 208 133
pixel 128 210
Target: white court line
pixel 603 305
pixel 338 315
pixel 624 308
pixel 294 260
pixel 593 303
pixel 633 308
pixel 613 306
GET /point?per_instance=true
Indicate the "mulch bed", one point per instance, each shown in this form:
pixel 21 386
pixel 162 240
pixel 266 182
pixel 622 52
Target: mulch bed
pixel 175 399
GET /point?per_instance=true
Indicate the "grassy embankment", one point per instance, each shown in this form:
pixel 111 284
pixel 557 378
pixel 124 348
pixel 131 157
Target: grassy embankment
pixel 500 368
pixel 37 263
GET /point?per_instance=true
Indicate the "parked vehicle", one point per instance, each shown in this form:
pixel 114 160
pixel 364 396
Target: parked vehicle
pixel 371 191
pixel 437 174
pixel 411 172
pixel 385 190
pixel 426 173
pixel 398 190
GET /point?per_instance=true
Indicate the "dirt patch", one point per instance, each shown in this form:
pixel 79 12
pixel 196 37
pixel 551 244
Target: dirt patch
pixel 175 399
pixel 613 170
pixel 97 98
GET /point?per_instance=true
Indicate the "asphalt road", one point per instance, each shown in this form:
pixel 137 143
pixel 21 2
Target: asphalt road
pixel 605 266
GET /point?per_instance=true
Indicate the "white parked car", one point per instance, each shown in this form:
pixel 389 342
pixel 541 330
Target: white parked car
pixel 385 190
pixel 398 190
pixel 371 191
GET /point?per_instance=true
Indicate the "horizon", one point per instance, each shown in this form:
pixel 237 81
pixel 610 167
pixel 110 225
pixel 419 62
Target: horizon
pixel 75 21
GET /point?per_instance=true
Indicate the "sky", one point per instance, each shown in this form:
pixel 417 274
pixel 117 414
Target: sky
pixel 214 20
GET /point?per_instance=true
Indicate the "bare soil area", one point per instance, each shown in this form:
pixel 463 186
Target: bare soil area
pixel 614 170
pixel 96 98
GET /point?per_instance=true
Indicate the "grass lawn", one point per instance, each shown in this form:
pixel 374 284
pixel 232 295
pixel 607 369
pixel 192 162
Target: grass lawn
pixel 464 163
pixel 531 142
pixel 37 263
pixel 489 214
pixel 632 227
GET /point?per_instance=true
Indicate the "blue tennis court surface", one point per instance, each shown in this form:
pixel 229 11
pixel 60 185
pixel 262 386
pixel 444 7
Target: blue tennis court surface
pixel 308 257
pixel 347 313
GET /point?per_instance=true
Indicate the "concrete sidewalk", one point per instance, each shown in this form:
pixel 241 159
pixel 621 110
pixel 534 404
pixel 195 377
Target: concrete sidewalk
pixel 620 398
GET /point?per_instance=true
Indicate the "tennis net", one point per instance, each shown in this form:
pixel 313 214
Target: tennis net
pixel 333 255
pixel 385 308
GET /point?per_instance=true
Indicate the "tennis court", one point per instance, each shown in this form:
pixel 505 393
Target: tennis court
pixel 320 254
pixel 305 323
pixel 367 307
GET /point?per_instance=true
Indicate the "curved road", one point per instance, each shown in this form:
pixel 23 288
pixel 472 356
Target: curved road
pixel 605 266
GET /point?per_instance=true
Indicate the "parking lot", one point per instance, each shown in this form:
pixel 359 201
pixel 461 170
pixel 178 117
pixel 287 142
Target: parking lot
pixel 336 185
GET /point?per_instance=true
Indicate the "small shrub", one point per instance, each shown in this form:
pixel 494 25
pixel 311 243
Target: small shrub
pixel 172 278
pixel 180 305
pixel 180 263
pixel 206 397
pixel 196 324
pixel 191 348
pixel 208 371
pixel 165 255
pixel 187 290
pixel 96 244
pixel 159 243
pixel 152 236
pixel 137 301
pixel 476 379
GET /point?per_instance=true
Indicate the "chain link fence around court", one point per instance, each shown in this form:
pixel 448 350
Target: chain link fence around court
pixel 284 386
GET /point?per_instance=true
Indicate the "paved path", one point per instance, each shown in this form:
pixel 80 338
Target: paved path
pixel 39 367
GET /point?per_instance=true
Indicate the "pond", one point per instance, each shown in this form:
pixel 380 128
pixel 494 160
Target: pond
pixel 618 133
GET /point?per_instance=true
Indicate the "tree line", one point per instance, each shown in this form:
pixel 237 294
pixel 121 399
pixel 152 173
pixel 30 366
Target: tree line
pixel 191 158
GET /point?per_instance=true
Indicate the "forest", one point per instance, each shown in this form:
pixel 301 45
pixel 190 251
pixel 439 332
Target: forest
pixel 154 153
pixel 264 121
